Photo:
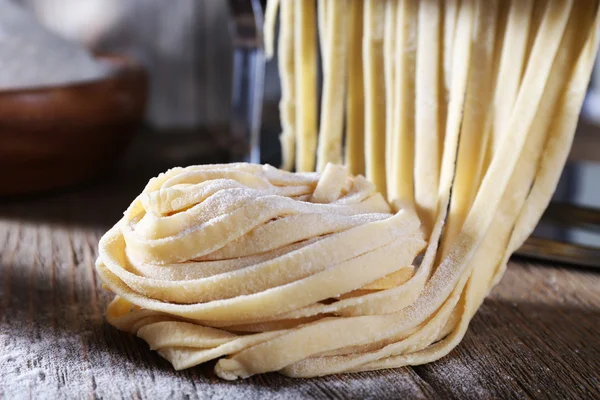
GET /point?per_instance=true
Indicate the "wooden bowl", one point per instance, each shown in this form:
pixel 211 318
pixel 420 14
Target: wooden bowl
pixel 58 136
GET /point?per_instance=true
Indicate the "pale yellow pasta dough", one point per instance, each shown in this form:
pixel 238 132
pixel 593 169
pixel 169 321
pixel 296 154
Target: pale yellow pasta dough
pixel 208 252
pixel 460 112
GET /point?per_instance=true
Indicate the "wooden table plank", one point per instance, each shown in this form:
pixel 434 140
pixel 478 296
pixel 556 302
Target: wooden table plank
pixel 535 336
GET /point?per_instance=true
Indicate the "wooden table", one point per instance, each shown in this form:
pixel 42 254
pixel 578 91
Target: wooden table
pixel 535 336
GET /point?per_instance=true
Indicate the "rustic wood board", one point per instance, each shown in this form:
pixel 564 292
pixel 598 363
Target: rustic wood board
pixel 536 336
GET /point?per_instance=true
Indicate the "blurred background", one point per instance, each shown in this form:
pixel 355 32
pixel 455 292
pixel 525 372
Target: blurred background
pixel 177 96
pixel 186 45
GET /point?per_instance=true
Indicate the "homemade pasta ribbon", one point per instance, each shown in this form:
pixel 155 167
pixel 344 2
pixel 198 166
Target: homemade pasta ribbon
pixel 211 260
pixel 460 112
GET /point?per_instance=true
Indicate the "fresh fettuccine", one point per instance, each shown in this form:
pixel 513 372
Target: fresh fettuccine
pixel 461 113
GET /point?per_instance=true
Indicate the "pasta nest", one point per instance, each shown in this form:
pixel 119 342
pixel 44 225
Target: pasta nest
pixel 222 259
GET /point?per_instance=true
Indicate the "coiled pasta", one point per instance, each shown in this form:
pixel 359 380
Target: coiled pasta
pixel 468 111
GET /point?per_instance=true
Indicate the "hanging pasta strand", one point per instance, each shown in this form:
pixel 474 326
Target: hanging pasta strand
pixel 269 26
pixel 537 15
pixel 550 112
pixel 472 296
pixel 287 103
pixel 334 85
pixel 473 136
pixel 529 99
pixel 427 136
pixel 494 248
pixel 355 113
pixel 400 176
pixel 561 133
pixel 389 71
pixel 305 70
pixel 374 14
pixel 451 8
pixel 512 65
pixel 322 6
pixel 448 30
pixel 501 24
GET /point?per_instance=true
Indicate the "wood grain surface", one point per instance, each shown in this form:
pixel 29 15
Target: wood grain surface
pixel 536 336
